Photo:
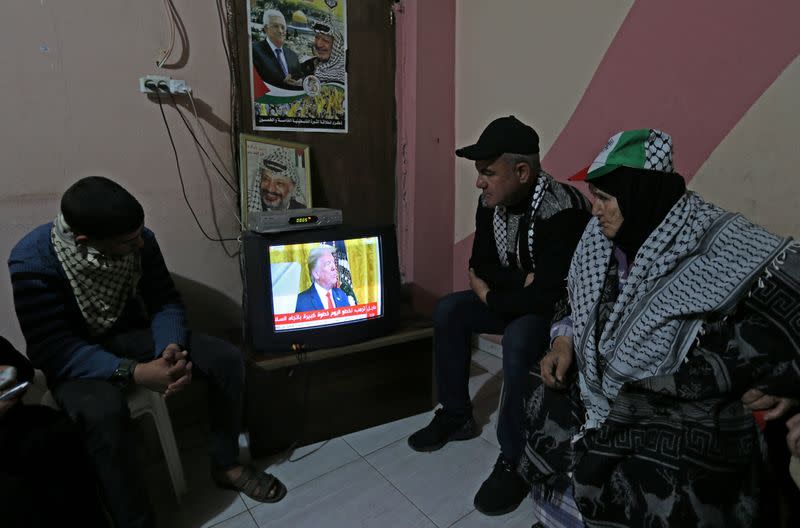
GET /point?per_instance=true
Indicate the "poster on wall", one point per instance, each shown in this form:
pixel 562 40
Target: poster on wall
pixel 298 54
pixel 275 176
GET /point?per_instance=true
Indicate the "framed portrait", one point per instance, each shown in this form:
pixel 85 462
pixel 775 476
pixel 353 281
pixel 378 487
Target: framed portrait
pixel 298 64
pixel 275 176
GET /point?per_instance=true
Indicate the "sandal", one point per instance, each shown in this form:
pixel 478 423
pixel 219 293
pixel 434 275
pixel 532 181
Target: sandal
pixel 257 485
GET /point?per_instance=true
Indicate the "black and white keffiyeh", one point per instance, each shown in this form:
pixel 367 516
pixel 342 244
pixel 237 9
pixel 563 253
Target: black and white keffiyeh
pixel 333 69
pixel 500 221
pixel 280 162
pixel 102 285
pixel 697 264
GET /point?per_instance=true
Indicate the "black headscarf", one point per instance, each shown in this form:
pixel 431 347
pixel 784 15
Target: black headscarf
pixel 644 198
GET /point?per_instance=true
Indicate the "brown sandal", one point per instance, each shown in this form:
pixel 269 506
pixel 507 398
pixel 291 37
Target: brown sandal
pixel 257 485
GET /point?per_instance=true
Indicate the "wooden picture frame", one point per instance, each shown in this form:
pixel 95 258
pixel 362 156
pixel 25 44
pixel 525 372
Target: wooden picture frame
pixel 275 175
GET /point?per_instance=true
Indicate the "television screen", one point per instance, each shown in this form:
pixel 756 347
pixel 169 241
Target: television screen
pixel 325 283
pixel 319 288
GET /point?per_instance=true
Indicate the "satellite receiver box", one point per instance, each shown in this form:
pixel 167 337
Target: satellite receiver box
pixel 293 219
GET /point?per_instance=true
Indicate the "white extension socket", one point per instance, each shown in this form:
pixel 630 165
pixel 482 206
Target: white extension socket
pixel 173 86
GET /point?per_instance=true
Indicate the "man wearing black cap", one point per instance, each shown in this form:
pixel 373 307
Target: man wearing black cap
pixel 526 228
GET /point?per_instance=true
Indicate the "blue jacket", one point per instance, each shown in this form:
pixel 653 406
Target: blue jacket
pixel 309 300
pixel 57 336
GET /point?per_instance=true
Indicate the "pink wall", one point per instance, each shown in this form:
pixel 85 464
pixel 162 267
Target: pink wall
pixel 426 114
pixel 690 68
pixel 70 107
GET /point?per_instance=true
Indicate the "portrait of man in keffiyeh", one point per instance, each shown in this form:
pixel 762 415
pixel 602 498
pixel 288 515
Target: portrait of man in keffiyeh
pixel 328 63
pixel 275 185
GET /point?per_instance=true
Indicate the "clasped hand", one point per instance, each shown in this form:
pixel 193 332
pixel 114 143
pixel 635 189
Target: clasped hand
pixel 169 373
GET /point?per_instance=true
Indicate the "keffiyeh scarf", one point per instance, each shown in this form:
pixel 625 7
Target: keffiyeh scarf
pixel 500 221
pixel 279 162
pixel 102 285
pixel 333 69
pixel 698 263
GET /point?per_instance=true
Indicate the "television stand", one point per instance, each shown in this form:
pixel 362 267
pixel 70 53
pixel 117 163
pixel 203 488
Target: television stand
pixel 321 394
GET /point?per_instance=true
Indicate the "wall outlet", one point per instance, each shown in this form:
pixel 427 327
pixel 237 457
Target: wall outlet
pixel 162 84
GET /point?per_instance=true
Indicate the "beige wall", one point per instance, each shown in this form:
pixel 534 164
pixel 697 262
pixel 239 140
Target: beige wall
pixel 756 169
pixel 70 107
pixel 530 59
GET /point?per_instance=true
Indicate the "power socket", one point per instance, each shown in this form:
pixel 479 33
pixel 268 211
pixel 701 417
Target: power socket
pixel 173 86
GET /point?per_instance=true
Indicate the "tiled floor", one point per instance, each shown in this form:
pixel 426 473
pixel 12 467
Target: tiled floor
pixel 370 478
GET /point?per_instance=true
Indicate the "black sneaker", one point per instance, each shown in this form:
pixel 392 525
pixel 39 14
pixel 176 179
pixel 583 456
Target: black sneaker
pixel 444 427
pixel 502 492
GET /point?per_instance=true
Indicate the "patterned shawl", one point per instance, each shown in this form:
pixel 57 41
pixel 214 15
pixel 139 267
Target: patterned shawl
pixel 102 285
pixel 698 263
pixel 333 69
pixel 500 220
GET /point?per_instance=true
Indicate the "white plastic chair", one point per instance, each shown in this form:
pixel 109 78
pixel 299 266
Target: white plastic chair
pixel 144 401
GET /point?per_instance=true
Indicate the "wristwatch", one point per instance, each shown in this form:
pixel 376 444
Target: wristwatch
pixel 123 376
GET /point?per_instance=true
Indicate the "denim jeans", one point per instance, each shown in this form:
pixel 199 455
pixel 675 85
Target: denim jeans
pixel 456 317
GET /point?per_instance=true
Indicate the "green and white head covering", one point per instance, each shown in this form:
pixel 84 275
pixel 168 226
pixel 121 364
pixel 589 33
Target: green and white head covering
pixel 645 148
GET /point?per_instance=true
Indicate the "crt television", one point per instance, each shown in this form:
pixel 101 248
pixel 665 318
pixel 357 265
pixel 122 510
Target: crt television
pixel 288 278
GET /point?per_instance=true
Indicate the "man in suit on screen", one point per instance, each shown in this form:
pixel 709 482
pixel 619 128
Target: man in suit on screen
pixel 323 293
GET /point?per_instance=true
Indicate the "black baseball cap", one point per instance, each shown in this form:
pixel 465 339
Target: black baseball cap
pixel 503 135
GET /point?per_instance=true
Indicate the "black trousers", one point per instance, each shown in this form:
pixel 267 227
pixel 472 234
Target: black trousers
pixel 45 476
pixel 100 410
pixel 456 317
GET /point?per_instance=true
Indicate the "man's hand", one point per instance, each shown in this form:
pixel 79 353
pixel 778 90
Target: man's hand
pixel 180 367
pixel 161 376
pixel 528 280
pixel 755 400
pixel 556 362
pixel 793 438
pixel 478 285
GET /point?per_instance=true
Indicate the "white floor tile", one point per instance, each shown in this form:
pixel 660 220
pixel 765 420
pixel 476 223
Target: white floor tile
pixel 489 431
pixel 243 520
pixel 374 438
pixel 354 495
pixel 522 517
pixel 489 362
pixel 321 458
pixel 204 504
pixel 443 483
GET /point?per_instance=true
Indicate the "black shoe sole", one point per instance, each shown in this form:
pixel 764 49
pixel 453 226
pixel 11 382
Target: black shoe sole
pixel 458 435
pixel 507 509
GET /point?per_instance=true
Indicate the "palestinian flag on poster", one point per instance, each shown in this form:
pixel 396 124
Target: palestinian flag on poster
pixel 343 267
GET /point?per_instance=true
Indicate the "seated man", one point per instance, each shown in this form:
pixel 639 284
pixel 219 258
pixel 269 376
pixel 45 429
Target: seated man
pixel 324 292
pixel 45 475
pixel 526 228
pixel 100 312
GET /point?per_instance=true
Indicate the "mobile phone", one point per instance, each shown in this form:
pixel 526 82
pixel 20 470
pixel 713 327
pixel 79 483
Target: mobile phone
pixel 7 376
pixel 14 391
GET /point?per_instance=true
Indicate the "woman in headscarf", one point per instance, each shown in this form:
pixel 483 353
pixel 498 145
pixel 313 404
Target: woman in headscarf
pixel 671 319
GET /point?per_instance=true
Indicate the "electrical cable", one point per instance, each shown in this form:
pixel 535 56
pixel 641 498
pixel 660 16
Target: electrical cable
pixel 180 176
pixel 197 141
pixel 205 134
pixel 228 31
pixel 234 205
pixel 168 51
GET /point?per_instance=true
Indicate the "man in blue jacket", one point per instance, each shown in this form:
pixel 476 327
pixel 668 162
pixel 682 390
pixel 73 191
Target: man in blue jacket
pixel 323 293
pixel 99 312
